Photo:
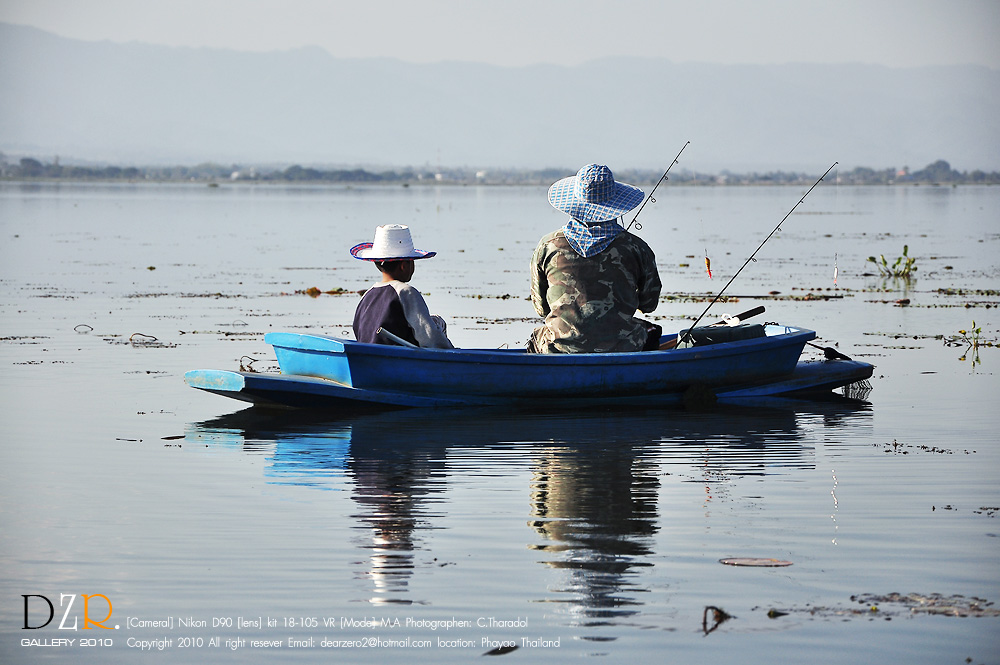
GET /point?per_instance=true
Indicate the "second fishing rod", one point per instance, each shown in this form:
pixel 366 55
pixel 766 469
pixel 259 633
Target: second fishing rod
pixel 687 334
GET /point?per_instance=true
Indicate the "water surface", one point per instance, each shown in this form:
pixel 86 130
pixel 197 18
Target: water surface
pixel 600 532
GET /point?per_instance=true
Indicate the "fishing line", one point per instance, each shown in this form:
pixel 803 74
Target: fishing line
pixel 650 197
pixel 836 209
pixel 687 333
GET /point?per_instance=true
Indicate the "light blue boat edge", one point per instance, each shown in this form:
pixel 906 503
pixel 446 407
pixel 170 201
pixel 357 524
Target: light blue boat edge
pixel 300 391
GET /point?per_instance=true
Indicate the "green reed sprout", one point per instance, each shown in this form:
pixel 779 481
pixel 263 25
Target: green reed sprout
pixel 902 267
pixel 973 337
pixel 972 340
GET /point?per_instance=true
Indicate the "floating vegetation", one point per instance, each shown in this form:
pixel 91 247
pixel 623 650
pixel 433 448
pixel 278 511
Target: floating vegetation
pixel 23 339
pixel 242 334
pixel 897 448
pixel 969 292
pixel 904 336
pixel 808 297
pixel 505 296
pixel 901 268
pixel 215 295
pixel 906 302
pixel 935 603
pixel 505 321
pixel 140 340
pixel 989 511
pixel 811 296
pixel 314 292
pixel 694 297
pixel 872 606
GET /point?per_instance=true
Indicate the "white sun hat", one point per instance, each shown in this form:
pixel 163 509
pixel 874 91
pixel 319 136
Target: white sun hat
pixel 592 195
pixel 392 243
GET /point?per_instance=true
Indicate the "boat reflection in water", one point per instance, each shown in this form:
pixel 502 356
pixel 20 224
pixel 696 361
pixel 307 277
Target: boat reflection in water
pixel 593 479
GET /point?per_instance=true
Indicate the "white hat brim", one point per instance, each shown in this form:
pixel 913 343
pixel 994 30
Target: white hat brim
pixel 365 252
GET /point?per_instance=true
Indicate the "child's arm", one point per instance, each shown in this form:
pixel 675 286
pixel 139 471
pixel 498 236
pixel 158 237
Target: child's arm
pixel 427 332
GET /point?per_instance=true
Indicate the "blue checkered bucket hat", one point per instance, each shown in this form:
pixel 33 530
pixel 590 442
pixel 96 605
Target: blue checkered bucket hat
pixel 592 195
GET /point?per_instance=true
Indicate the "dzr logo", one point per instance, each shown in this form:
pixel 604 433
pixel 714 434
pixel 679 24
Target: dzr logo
pixel 88 623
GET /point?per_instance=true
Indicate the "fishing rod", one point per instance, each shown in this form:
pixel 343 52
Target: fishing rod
pixel 650 197
pixel 687 333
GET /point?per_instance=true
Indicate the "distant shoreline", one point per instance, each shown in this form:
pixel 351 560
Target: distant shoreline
pixel 28 169
pixel 318 184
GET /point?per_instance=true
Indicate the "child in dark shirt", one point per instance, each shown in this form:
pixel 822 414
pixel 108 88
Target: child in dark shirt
pixel 392 304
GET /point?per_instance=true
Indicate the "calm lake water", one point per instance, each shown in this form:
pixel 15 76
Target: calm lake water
pixel 437 536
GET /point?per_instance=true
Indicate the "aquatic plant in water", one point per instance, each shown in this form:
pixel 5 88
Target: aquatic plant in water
pixel 972 340
pixel 972 336
pixel 902 267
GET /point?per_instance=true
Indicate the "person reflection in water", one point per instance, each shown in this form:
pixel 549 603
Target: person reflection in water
pixel 597 513
pixel 394 485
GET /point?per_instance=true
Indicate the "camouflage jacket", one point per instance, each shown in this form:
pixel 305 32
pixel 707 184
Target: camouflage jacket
pixel 589 303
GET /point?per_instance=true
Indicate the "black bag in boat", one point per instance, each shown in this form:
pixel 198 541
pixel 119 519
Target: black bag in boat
pixel 718 334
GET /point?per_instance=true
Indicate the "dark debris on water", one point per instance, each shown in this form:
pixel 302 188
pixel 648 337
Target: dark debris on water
pixel 892 605
pixel 897 448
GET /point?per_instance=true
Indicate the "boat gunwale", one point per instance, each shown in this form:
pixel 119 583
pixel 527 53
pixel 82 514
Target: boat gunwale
pixel 793 335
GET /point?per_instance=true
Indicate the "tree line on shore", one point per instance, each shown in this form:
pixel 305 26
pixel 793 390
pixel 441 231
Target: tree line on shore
pixel 29 168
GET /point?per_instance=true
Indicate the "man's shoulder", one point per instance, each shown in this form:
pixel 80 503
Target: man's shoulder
pixel 556 240
pixel 633 243
pixel 549 237
pixel 632 239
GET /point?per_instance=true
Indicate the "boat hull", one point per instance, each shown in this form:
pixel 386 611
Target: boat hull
pixel 512 373
pixel 326 371
pixel 809 378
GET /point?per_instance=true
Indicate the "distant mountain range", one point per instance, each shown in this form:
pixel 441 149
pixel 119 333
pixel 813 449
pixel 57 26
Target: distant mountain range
pixel 143 104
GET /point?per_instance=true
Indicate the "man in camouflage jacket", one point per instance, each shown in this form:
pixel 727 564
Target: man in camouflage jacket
pixel 589 277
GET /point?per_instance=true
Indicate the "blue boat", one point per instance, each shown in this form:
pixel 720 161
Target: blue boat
pixel 321 371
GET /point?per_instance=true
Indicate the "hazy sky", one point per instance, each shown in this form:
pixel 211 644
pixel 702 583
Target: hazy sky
pixel 897 33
